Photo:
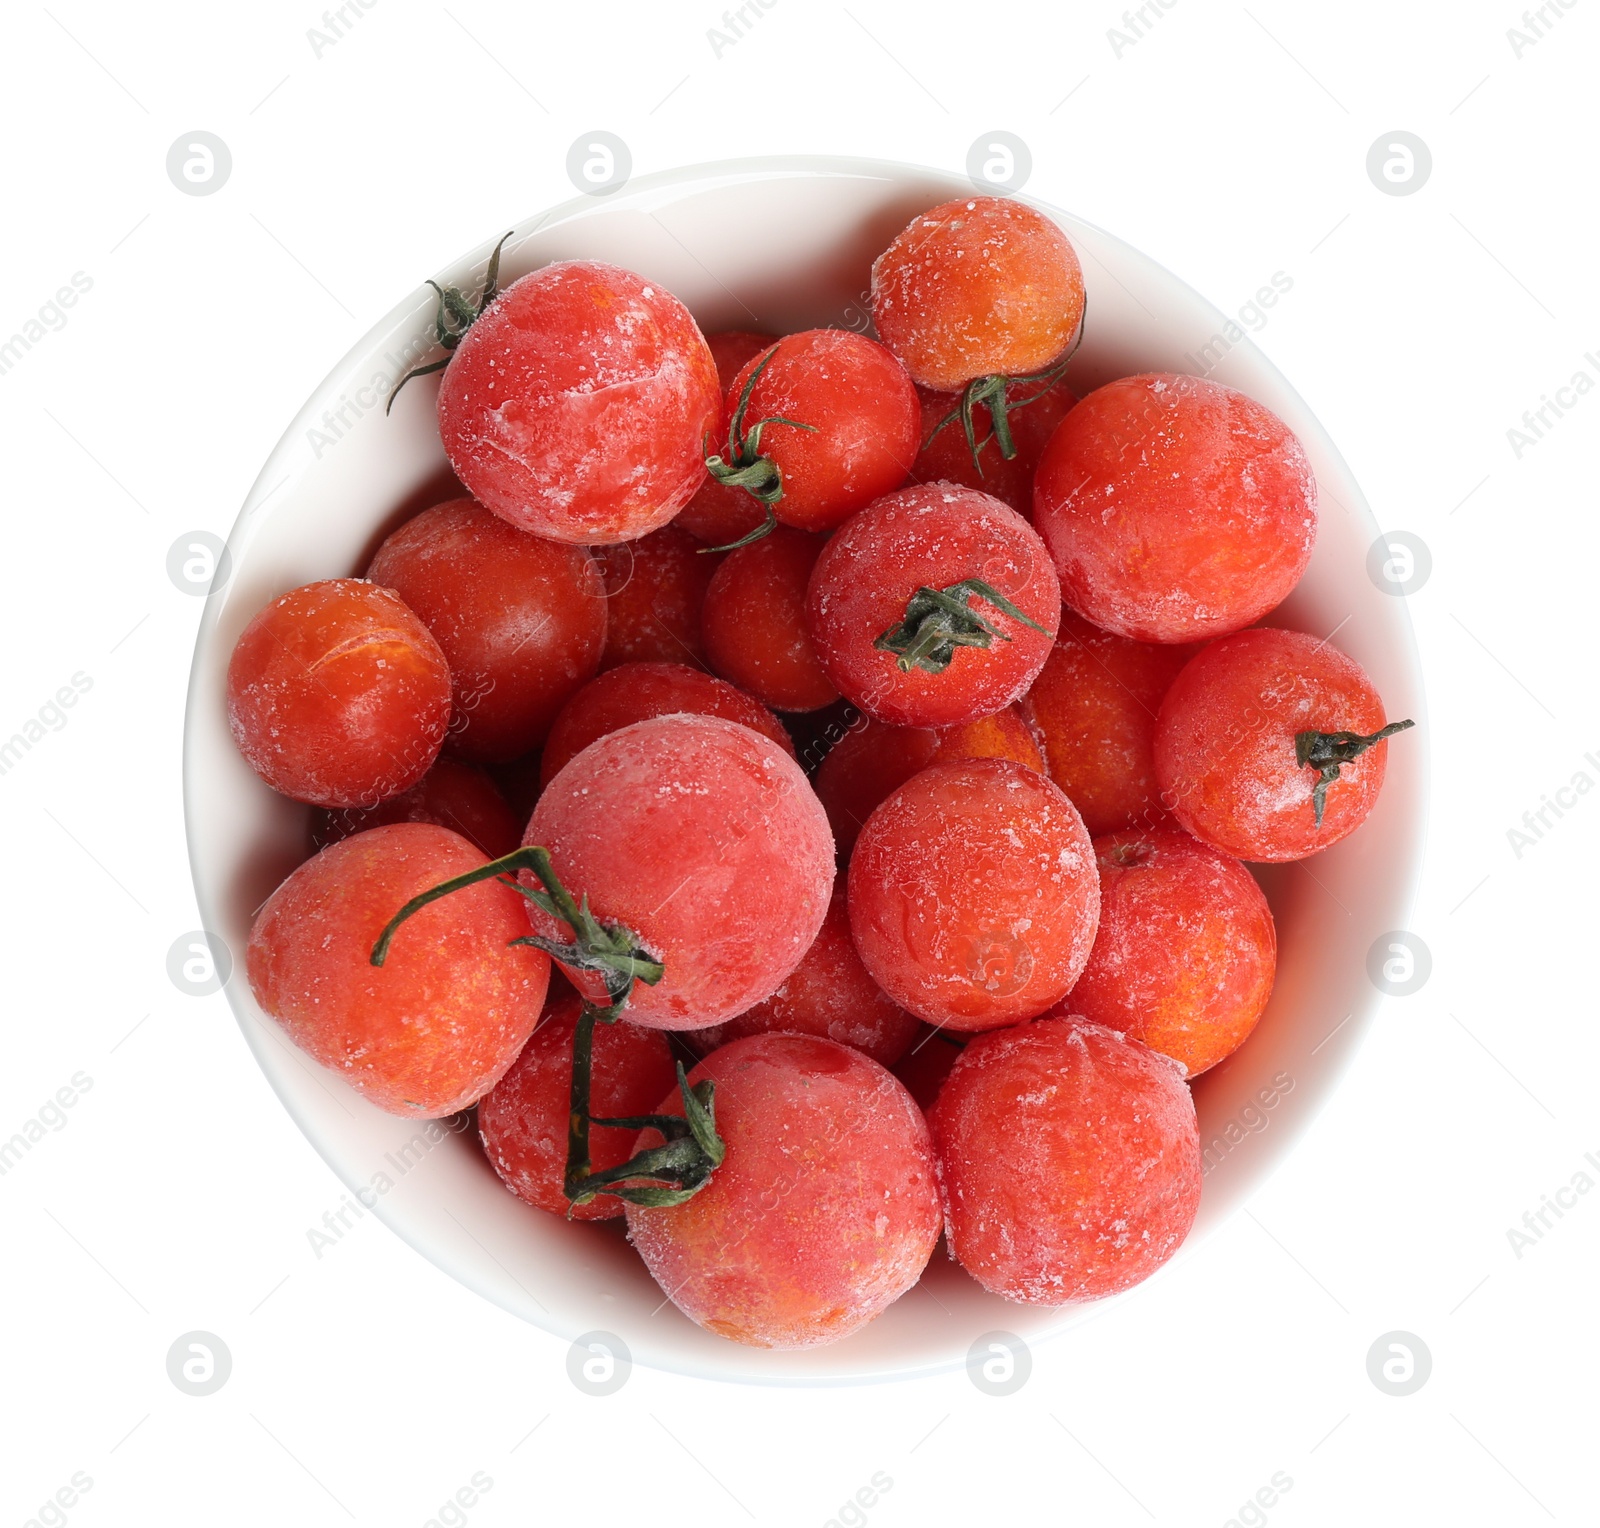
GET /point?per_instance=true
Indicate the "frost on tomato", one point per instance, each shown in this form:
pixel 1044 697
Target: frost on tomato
pixel 872 760
pixel 432 1029
pixel 460 797
pixel 704 839
pixel 523 1120
pixel 1094 708
pixel 577 404
pixel 1186 951
pixel 1176 508
pixel 654 589
pixel 338 695
pixel 521 619
pixel 830 994
pixel 1069 1161
pixel 980 286
pixel 1271 745
pixel 935 605
pixel 824 1211
pixel 974 895
pixel 635 692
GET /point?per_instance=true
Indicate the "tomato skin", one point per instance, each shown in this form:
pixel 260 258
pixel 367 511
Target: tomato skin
pixel 755 625
pixel 945 456
pixel 338 695
pixel 451 795
pixel 433 1028
pixel 1093 708
pixel 1069 1161
pixel 865 418
pixel 521 619
pixel 938 536
pixel 577 405
pixel 829 994
pixel 1186 951
pixel 523 1119
pixel 872 760
pixel 1176 509
pixel 827 1194
pixel 976 287
pixel 1225 744
pixel 974 895
pixel 705 839
pixel 635 692
pixel 655 588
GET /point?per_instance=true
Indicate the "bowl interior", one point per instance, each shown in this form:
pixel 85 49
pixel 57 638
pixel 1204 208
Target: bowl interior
pixel 772 245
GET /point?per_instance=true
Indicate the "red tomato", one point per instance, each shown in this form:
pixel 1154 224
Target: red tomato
pixel 521 619
pixel 1232 732
pixel 1186 952
pixel 1069 1161
pixel 456 796
pixel 577 405
pixel 655 587
pixel 703 839
pixel 861 420
pixel 974 895
pixel 523 1120
pixel 754 622
pixel 433 1028
pixel 888 646
pixel 824 1211
pixel 1093 708
pixel 980 286
pixel 338 695
pixel 871 761
pixel 1034 411
pixel 1176 508
pixel 731 348
pixel 638 691
pixel 829 994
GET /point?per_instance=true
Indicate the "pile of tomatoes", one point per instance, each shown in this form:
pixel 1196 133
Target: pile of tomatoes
pixel 871 736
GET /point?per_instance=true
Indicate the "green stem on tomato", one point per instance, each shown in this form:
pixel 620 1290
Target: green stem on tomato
pixel 456 314
pixel 1326 751
pixel 938 621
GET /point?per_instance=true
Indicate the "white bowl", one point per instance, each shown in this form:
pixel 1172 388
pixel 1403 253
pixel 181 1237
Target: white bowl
pixel 777 245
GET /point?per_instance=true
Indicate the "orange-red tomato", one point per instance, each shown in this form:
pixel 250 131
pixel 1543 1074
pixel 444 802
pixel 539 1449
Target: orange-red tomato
pixel 338 695
pixel 460 797
pixel 1033 411
pixel 433 1028
pixel 655 587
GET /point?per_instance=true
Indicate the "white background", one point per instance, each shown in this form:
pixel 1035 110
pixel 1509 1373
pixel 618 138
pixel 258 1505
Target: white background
pixel 1229 144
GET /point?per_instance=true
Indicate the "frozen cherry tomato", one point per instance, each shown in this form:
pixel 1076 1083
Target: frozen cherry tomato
pixel 338 695
pixel 817 426
pixel 731 348
pixel 824 1210
pixel 635 692
pixel 522 620
pixel 577 404
pixel 925 1066
pixel 1093 708
pixel 754 622
pixel 974 895
pixel 655 587
pixel 981 286
pixel 1186 951
pixel 523 1120
pixel 1271 744
pixel 1069 1161
pixel 871 761
pixel 933 606
pixel 460 797
pixel 704 840
pixel 1176 508
pixel 830 994
pixel 1034 410
pixel 434 1027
